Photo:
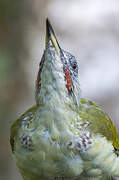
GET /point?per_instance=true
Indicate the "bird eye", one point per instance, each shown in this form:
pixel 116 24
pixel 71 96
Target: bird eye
pixel 74 66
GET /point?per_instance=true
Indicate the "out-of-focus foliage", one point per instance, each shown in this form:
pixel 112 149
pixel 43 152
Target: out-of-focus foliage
pixel 13 52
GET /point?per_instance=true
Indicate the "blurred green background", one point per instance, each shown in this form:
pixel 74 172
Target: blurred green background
pixel 88 29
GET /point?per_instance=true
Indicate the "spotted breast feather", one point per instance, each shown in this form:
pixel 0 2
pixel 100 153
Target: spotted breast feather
pixel 23 122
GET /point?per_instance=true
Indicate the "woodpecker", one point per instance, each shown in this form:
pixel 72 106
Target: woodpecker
pixel 63 136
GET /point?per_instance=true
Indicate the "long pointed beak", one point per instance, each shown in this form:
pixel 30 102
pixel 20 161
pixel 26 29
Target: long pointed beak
pixel 50 35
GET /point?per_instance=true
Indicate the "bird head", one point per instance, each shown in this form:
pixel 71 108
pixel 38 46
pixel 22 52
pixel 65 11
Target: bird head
pixel 58 74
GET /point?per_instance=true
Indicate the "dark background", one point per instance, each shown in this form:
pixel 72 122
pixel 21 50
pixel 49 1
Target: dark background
pixel 88 29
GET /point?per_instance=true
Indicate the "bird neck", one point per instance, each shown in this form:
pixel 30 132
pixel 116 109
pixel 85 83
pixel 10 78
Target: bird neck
pixel 53 97
pixel 56 113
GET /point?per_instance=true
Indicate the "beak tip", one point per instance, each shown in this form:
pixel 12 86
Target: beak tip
pixel 49 28
pixel 50 35
pixel 48 31
pixel 47 23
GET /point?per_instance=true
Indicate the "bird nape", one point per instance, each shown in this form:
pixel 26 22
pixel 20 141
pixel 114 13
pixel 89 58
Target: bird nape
pixel 63 136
